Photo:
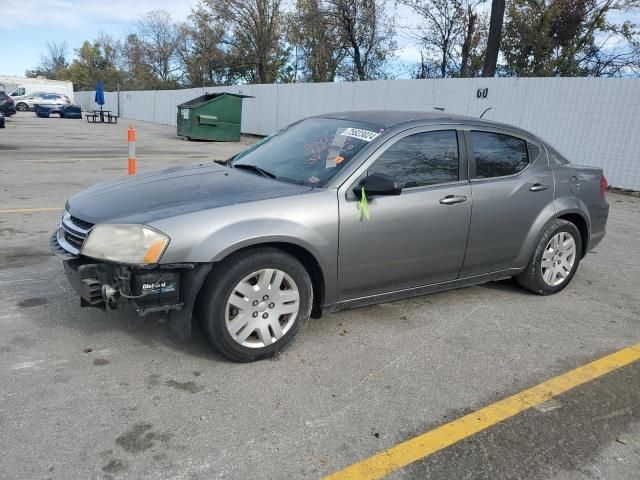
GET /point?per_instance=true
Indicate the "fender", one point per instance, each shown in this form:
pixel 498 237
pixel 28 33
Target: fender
pixel 237 236
pixel 576 206
pixel 309 223
pixel 546 217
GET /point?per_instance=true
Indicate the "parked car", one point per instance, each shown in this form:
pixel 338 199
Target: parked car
pixel 24 87
pixel 334 211
pixel 41 98
pixel 7 106
pixel 64 111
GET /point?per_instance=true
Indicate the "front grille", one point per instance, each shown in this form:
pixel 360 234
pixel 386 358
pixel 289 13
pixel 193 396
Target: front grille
pixel 72 239
pixel 72 233
pixel 80 223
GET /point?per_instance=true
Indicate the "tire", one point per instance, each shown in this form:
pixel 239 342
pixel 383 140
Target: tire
pixel 22 107
pixel 551 268
pixel 237 323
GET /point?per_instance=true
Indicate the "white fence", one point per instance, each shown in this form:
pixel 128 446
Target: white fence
pixel 593 121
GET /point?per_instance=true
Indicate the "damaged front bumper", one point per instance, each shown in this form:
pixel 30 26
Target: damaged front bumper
pixel 110 286
pixel 170 288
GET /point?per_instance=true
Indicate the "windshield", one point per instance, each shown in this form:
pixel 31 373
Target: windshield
pixel 309 152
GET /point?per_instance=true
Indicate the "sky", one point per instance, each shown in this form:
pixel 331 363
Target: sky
pixel 27 25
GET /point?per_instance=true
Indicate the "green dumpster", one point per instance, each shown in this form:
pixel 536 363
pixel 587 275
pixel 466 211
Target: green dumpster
pixel 214 116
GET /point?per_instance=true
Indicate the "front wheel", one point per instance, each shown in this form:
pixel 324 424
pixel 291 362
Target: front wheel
pixel 22 107
pixel 554 261
pixel 255 302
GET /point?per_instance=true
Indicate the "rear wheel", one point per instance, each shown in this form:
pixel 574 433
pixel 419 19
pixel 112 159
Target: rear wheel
pixel 22 107
pixel 254 303
pixel 555 259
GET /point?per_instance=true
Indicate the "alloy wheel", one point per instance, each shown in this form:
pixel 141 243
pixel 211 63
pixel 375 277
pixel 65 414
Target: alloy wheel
pixel 262 308
pixel 558 259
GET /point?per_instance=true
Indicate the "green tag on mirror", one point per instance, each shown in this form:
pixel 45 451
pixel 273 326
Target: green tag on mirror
pixel 364 205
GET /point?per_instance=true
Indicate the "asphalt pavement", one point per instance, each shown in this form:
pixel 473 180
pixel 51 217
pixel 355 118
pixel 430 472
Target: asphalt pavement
pixel 89 394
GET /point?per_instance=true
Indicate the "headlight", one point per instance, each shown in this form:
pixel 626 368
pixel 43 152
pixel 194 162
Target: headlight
pixel 135 244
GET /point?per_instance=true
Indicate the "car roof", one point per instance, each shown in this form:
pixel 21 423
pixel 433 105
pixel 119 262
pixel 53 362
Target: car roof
pixel 390 118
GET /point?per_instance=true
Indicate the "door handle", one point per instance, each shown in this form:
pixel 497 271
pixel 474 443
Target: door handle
pixel 451 199
pixel 538 187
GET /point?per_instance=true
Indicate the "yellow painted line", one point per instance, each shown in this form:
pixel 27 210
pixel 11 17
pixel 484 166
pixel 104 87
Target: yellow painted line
pixel 29 210
pixel 446 435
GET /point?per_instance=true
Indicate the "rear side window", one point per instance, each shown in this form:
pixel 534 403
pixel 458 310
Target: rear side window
pixel 534 151
pixel 421 159
pixel 555 158
pixel 498 155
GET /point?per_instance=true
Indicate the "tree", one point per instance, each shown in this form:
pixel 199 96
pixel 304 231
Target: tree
pixel 52 63
pixel 94 62
pixel 367 35
pixel 159 39
pixel 202 52
pixel 569 38
pixel 256 51
pixel 441 28
pixel 136 74
pixel 316 41
pixel 495 36
pixel 475 43
pixel 450 32
pixel 472 19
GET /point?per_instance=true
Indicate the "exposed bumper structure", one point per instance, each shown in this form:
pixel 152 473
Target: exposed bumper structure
pixel 162 288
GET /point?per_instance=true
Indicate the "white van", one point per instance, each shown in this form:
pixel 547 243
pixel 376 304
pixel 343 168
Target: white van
pixel 23 90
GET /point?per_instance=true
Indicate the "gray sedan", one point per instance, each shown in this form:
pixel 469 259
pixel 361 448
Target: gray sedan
pixel 332 212
pixel 29 102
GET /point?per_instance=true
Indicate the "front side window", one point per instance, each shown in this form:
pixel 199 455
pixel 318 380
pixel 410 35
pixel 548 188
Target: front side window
pixel 309 152
pixel 421 159
pixel 18 92
pixel 498 155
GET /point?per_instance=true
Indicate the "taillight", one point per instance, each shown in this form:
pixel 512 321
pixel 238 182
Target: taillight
pixel 603 187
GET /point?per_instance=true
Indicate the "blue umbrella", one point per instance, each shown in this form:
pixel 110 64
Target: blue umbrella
pixel 99 99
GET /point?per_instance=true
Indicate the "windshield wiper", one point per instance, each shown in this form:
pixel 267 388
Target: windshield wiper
pixel 254 168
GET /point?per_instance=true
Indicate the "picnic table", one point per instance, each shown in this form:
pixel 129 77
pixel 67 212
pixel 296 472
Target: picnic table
pixel 101 116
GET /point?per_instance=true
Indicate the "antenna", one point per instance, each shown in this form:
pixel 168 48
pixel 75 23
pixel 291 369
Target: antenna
pixel 485 111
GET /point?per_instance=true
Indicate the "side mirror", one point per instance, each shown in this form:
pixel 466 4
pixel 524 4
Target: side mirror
pixel 378 184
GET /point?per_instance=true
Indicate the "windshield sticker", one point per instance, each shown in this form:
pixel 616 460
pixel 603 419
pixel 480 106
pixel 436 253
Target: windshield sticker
pixel 339 159
pixel 360 134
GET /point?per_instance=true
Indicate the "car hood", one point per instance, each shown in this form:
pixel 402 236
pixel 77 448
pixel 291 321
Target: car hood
pixel 175 191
